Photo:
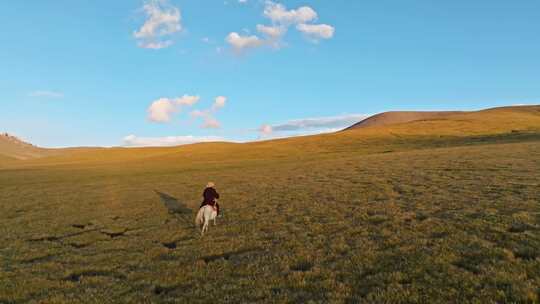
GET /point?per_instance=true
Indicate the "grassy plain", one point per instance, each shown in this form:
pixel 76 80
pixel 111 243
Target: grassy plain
pixel 423 212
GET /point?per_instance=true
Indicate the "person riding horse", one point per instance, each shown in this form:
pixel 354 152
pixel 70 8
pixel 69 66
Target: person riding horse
pixel 210 196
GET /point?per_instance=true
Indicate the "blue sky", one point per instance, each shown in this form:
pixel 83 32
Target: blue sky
pixel 111 73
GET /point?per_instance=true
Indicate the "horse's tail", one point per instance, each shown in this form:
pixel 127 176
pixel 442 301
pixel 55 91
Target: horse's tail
pixel 199 219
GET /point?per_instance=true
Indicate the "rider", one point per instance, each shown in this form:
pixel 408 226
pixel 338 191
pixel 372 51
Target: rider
pixel 210 196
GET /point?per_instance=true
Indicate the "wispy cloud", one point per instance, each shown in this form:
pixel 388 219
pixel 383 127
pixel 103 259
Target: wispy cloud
pixel 279 14
pixel 243 42
pixel 209 121
pixel 273 34
pixel 46 94
pixel 316 31
pixel 311 125
pixel 162 21
pixel 525 104
pixel 219 103
pixel 319 122
pixel 265 130
pixel 167 141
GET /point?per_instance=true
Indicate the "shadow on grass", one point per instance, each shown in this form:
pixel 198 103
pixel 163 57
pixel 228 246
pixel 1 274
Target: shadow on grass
pixel 175 207
pixel 172 204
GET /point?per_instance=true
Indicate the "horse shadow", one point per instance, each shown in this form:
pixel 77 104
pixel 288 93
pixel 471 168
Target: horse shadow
pixel 173 205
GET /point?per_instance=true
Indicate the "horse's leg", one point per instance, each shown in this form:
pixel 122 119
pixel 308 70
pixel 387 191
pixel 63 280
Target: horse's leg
pixel 203 229
pixel 204 226
pixel 215 217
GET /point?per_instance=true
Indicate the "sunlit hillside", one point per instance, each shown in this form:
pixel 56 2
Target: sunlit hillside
pixel 448 129
pixel 12 147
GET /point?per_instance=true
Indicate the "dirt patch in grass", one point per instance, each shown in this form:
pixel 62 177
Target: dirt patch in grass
pixel 230 255
pixel 302 266
pixel 80 275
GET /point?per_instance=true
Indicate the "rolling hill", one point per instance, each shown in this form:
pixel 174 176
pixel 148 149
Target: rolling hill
pixel 12 147
pixel 389 118
pixel 372 135
pixel 491 116
pixel 376 133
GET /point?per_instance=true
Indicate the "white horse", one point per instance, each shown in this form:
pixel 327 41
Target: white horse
pixel 204 216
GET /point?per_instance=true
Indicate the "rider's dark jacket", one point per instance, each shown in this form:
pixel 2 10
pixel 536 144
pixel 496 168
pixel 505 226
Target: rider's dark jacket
pixel 210 195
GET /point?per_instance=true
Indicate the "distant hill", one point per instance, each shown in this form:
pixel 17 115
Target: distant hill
pixel 395 117
pixel 377 133
pixel 12 147
pixel 402 117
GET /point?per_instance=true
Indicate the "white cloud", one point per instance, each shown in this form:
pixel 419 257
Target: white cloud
pixel 280 135
pixel 274 32
pixel 157 45
pixel 46 94
pixel 272 35
pixel 524 104
pixel 135 141
pixel 320 122
pixel 313 125
pixel 187 100
pixel 242 1
pixel 278 13
pixel 266 130
pixel 282 18
pixel 163 109
pixel 219 103
pixel 317 31
pixel 241 43
pixel 163 20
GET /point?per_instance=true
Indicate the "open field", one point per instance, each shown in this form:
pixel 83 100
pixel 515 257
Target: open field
pixel 428 211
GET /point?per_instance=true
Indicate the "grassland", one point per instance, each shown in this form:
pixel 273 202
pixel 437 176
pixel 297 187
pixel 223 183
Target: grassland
pixel 423 212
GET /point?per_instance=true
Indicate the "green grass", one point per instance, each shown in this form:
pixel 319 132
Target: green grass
pixel 343 218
